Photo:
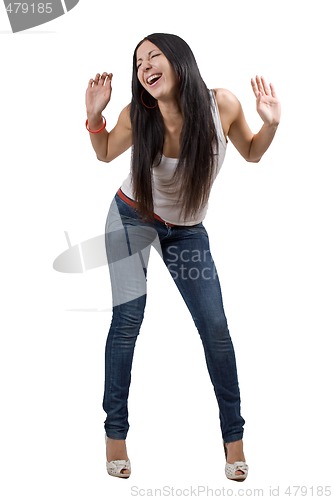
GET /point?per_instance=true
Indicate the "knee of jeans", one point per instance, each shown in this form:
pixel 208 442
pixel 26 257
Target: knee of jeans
pixel 130 314
pixel 213 327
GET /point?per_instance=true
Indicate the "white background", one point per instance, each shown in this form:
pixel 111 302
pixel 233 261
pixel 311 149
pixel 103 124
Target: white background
pixel 270 230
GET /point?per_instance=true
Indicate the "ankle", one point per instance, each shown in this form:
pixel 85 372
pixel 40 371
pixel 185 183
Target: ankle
pixel 116 449
pixel 234 451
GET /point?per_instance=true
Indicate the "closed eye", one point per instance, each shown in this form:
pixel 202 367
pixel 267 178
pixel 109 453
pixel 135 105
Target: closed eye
pixel 154 55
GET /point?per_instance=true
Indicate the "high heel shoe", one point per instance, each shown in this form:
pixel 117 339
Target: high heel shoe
pixel 115 467
pixel 231 469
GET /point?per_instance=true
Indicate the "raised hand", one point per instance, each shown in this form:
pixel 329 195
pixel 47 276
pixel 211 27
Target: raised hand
pixel 268 105
pixel 98 93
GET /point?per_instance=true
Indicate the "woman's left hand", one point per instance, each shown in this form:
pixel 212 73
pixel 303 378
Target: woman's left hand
pixel 268 106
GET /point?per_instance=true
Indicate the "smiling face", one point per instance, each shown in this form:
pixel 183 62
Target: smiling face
pixel 155 73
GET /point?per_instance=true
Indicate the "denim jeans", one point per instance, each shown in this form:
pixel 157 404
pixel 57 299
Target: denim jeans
pixel 186 253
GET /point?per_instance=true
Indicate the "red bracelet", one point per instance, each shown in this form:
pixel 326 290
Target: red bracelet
pixel 96 131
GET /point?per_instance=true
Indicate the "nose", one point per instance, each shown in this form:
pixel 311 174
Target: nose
pixel 145 65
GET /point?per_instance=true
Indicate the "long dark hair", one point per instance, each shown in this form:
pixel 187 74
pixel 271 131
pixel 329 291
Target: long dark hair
pixel 198 139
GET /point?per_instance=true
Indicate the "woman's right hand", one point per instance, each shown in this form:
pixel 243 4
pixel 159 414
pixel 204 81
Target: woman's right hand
pixel 98 94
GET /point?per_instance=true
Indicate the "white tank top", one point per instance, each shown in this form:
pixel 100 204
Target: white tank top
pixel 166 191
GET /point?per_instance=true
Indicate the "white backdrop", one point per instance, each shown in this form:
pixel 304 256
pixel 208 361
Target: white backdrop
pixel 270 232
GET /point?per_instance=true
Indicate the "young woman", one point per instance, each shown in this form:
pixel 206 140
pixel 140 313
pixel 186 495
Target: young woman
pixel 178 132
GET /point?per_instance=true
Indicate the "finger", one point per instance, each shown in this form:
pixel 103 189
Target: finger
pixel 254 87
pixel 259 84
pixel 110 80
pixel 265 86
pixel 272 90
pixel 103 78
pixel 96 79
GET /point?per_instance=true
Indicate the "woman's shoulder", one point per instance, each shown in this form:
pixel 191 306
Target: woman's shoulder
pixel 225 98
pixel 228 104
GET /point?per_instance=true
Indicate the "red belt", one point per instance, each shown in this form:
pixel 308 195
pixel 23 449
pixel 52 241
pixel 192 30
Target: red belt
pixel 133 204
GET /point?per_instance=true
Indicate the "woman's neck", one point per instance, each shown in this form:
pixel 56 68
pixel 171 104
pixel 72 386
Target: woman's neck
pixel 171 113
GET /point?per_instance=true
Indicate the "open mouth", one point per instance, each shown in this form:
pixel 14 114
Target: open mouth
pixel 153 79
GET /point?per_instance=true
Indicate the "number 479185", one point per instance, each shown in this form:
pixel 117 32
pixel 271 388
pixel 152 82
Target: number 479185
pixel 24 8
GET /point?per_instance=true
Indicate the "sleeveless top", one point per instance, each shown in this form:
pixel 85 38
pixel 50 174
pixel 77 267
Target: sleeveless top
pixel 166 191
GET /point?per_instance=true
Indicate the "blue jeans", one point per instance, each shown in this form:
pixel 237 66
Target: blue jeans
pixel 185 251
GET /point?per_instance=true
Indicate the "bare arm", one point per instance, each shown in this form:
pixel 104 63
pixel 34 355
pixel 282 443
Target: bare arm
pixel 107 145
pixel 251 146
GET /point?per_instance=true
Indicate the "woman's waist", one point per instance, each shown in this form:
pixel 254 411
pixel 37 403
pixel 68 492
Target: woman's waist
pixel 169 213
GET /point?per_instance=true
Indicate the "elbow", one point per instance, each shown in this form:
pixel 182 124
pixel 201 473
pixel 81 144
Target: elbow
pixel 102 155
pixel 103 158
pixel 254 160
pixel 251 157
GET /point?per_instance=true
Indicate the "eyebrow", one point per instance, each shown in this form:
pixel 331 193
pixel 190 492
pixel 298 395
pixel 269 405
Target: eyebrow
pixel 140 58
